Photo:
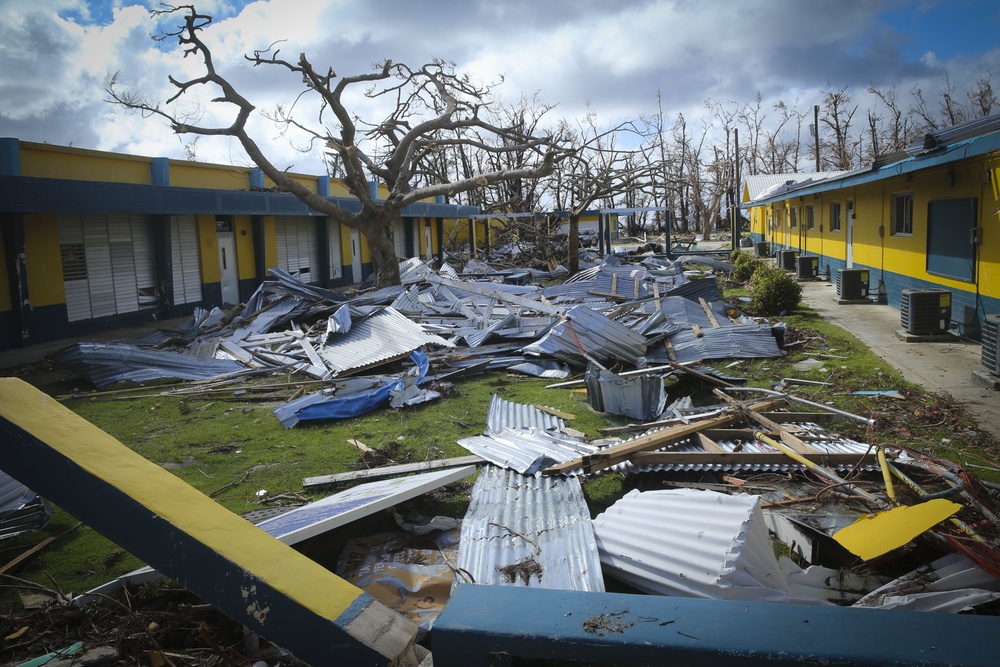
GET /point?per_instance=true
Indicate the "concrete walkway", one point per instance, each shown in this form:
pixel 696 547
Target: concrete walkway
pixel 940 367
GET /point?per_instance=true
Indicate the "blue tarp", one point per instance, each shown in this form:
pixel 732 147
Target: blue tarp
pixel 320 406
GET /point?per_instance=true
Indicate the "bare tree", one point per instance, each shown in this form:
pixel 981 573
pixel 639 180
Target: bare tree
pixel 599 170
pixel 838 115
pixel 432 105
pixel 982 98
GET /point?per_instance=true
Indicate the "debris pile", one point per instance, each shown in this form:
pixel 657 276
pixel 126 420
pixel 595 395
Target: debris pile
pixel 755 497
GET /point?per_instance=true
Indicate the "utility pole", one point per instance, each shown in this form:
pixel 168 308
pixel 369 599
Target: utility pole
pixel 816 134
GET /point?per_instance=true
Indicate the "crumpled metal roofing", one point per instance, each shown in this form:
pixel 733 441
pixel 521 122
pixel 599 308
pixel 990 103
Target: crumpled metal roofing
pixel 640 397
pixel 384 335
pixel 506 414
pixel 529 531
pixel 950 584
pixel 750 341
pixel 21 509
pixel 582 330
pixel 104 364
pixel 695 543
pixel 526 450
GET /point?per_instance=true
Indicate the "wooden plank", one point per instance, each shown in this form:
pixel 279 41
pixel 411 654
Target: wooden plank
pixel 708 311
pixel 708 444
pixel 746 458
pixel 812 417
pixel 697 330
pixel 258 581
pixel 655 440
pixel 390 471
pixel 27 554
pixel 785 434
pixel 556 413
pixel 614 283
pixel 701 376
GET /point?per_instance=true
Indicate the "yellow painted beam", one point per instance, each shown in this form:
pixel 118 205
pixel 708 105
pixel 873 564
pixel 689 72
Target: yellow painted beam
pixel 255 579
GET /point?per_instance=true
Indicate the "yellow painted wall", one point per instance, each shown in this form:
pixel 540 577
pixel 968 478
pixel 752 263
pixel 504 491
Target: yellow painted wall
pixel 208 245
pixel 309 182
pixel 44 261
pixel 977 178
pixel 214 176
pixel 46 161
pixel 243 231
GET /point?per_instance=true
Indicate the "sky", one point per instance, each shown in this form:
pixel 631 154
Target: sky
pixel 614 55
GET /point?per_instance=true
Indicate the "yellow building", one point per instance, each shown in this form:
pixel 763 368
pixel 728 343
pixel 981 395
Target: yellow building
pixel 93 240
pixel 923 219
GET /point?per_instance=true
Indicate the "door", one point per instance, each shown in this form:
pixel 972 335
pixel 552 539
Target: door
pixel 229 277
pixel 850 234
pixel 428 246
pixel 355 256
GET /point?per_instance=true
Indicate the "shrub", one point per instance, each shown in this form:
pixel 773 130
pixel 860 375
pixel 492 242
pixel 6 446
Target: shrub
pixel 774 291
pixel 745 267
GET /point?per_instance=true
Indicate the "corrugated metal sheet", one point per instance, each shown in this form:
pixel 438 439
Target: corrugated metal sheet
pixel 751 341
pixel 384 335
pixel 529 531
pixel 950 584
pixel 507 414
pixel 640 397
pixel 818 437
pixel 597 335
pixel 21 509
pixel 103 364
pixel 526 450
pixel 693 543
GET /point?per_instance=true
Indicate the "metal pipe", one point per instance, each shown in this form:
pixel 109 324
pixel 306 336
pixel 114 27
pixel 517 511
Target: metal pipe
pixel 964 527
pixel 886 474
pixel 795 399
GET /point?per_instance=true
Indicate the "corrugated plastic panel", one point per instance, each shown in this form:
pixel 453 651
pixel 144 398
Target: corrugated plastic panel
pixel 529 531
pixel 692 543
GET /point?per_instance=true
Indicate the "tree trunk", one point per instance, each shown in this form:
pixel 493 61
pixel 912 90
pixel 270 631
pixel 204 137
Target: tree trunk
pixel 379 233
pixel 573 244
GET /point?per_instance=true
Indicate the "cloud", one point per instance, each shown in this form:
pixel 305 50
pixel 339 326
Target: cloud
pixel 614 57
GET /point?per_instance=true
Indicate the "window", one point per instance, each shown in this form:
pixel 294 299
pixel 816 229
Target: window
pixel 810 217
pixel 835 216
pixel 902 215
pixel 794 218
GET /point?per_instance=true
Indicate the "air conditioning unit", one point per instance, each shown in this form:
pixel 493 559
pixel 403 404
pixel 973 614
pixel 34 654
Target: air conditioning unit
pixel 786 259
pixel 807 267
pixel 991 344
pixel 925 312
pixel 852 283
pixel 761 248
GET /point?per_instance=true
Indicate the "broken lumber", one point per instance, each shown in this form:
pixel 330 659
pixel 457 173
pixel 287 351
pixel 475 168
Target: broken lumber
pixel 255 579
pixel 655 440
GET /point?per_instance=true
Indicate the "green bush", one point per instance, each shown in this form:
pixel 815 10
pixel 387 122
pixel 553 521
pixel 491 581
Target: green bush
pixel 774 291
pixel 745 266
pixel 738 256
